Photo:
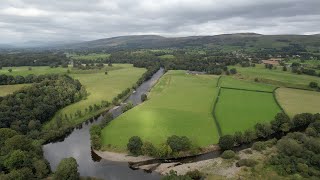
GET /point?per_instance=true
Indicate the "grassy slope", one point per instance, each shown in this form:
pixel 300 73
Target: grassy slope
pixel 179 104
pixel 228 81
pixel 295 101
pixel 36 70
pixel 276 77
pixel 239 110
pixel 9 89
pixel 101 87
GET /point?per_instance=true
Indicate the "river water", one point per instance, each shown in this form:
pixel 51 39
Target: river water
pixel 77 145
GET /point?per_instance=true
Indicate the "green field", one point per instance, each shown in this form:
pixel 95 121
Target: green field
pixel 295 101
pixel 9 89
pixel 179 104
pixel 100 87
pixel 275 76
pixel 91 56
pixel 231 82
pixel 238 110
pixel 36 70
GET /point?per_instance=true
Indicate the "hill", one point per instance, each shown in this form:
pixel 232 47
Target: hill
pixel 250 41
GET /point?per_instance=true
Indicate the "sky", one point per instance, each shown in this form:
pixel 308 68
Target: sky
pixel 83 20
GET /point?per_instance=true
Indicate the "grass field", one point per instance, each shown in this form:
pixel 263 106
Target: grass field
pixel 9 89
pixel 276 76
pixel 231 82
pixel 36 70
pixel 179 104
pixel 101 87
pixel 91 56
pixel 238 110
pixel 295 101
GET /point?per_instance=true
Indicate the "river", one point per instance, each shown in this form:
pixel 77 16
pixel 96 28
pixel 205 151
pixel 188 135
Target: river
pixel 77 145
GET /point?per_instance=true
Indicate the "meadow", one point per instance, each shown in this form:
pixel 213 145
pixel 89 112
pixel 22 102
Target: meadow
pixel 91 56
pixel 9 89
pixel 36 70
pixel 295 101
pixel 99 87
pixel 231 82
pixel 239 110
pixel 276 76
pixel 179 104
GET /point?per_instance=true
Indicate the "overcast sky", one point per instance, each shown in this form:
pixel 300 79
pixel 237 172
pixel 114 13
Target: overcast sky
pixel 64 20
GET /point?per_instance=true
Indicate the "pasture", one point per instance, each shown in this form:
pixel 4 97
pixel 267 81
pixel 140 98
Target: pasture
pixel 295 101
pixel 100 87
pixel 231 82
pixel 239 110
pixel 276 76
pixel 9 89
pixel 36 70
pixel 179 104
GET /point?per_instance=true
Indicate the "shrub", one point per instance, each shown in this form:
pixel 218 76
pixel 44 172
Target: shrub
pixel 134 145
pixel 246 162
pixel 263 130
pixel 233 71
pixel 289 147
pixel 238 137
pixel 148 149
pixel 249 136
pixel 259 146
pixel 164 151
pixel 172 175
pixel 313 84
pixel 228 154
pixel 195 174
pixel 143 97
pixel 226 142
pixel 179 143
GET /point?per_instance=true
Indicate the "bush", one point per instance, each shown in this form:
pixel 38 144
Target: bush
pixel 259 146
pixel 134 145
pixel 226 142
pixel 143 97
pixel 148 149
pixel 179 143
pixel 195 174
pixel 233 71
pixel 173 176
pixel 246 162
pixel 313 84
pixel 164 151
pixel 228 154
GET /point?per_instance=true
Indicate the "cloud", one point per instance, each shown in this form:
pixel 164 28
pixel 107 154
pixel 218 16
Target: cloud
pixel 60 20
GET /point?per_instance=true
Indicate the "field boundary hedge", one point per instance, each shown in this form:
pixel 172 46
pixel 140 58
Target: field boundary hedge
pixel 218 82
pixel 214 114
pixel 247 90
pixel 277 102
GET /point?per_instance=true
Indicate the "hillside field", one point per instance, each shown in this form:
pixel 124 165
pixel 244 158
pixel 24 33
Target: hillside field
pixel 100 87
pixel 179 104
pixel 295 101
pixel 276 77
pixel 231 82
pixel 239 110
pixel 9 89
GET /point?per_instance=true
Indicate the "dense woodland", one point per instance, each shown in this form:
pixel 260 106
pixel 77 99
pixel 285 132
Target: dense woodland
pixel 33 59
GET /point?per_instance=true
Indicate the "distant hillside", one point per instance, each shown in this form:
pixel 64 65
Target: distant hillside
pixel 224 41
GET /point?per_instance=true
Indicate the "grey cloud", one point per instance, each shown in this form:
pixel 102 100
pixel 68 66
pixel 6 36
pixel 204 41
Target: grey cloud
pixel 59 20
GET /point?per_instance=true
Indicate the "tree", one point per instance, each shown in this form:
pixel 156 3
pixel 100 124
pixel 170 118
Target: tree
pixel 29 68
pixel 226 142
pixel 148 149
pixel 10 70
pixel 284 68
pixel 179 143
pixel 249 136
pixel 16 160
pixel 67 169
pixel 289 147
pixel 134 145
pixel 263 130
pixel 233 71
pixel 6 133
pixel 106 72
pixel 42 168
pixel 281 123
pixel 238 137
pixel 302 120
pixel 313 84
pixel 143 97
